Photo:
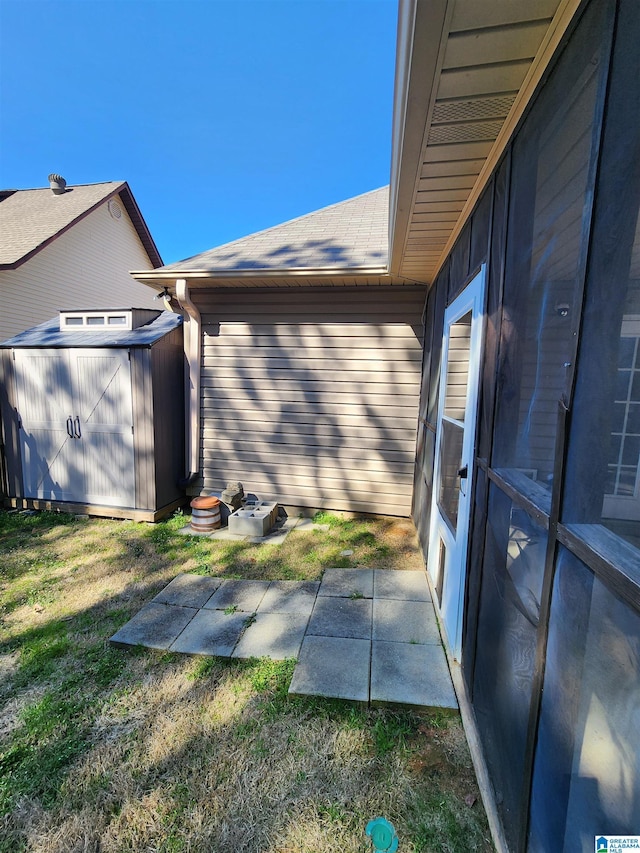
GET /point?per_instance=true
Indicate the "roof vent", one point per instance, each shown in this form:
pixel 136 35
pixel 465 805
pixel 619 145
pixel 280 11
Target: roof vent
pixel 57 184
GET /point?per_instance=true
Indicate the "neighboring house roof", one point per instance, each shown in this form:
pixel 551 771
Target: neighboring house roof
pixel 349 239
pixel 49 335
pixel 31 219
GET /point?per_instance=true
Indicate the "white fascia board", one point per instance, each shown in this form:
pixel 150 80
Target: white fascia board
pixel 422 35
pixel 161 275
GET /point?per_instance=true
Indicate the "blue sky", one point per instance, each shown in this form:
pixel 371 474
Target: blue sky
pixel 225 116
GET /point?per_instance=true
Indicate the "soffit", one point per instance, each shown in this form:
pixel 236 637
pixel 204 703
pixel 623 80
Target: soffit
pixel 465 71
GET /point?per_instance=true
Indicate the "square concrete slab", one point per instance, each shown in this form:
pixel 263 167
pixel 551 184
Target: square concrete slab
pixel 404 586
pixel 188 590
pixel 189 531
pixel 226 536
pixel 211 632
pixel 274 537
pixel 290 597
pixel 308 524
pixel 243 595
pixel 334 667
pixel 403 674
pixel 344 583
pixel 404 622
pixel 341 617
pixel 156 626
pixel 273 635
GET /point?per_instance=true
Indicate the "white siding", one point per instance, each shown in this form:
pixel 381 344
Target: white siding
pixel 85 267
pixel 310 396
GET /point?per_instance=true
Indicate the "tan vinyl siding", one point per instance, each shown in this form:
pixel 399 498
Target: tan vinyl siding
pixel 84 267
pixel 310 396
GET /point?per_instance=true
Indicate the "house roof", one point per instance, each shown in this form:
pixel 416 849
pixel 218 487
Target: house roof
pixel 343 240
pixel 49 335
pixel 31 219
pixel 465 73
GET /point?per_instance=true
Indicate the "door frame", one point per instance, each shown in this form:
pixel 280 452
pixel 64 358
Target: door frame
pixel 449 563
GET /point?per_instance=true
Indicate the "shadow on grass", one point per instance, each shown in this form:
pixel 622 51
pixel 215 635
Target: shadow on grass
pixel 180 753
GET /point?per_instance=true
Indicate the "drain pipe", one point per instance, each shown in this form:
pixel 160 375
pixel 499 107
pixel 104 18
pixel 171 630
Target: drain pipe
pixel 192 347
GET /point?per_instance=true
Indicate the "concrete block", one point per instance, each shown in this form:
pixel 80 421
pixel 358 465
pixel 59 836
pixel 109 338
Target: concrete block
pixel 211 632
pixel 404 674
pixel 405 622
pixel 188 590
pixel 404 586
pixel 253 519
pixel 334 667
pixel 156 626
pixel 341 617
pixel 273 635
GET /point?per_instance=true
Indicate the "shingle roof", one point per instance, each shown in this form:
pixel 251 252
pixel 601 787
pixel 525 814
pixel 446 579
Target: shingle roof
pixel 29 219
pixel 49 335
pixel 352 234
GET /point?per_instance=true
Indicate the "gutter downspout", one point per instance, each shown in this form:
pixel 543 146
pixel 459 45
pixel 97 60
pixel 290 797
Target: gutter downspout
pixel 192 348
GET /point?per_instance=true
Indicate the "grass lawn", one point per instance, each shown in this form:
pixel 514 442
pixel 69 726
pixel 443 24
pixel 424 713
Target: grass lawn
pixel 105 749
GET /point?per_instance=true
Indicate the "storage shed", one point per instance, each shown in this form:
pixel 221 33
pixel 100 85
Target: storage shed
pixel 92 414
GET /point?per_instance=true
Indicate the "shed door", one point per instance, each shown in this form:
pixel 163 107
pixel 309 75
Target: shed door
pixel 49 458
pixel 103 425
pixel 455 439
pixel 77 426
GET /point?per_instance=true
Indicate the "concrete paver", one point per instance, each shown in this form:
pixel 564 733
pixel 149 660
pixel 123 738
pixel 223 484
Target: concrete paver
pixel 404 586
pixel 211 632
pixel 243 595
pixel 404 621
pixel 156 626
pixel 335 667
pixel 341 617
pixel 360 634
pixel 188 591
pixel 307 524
pixel 274 635
pixel 407 674
pixel 225 535
pixel 290 597
pixel 345 583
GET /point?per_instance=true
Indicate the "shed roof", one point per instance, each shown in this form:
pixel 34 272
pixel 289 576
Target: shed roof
pixel 49 335
pixel 30 219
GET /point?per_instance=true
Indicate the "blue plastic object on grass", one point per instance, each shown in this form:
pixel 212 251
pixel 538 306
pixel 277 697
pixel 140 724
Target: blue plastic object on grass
pixel 383 835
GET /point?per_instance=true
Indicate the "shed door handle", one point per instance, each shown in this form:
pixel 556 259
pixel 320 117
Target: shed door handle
pixel 463 473
pixel 76 427
pixel 70 426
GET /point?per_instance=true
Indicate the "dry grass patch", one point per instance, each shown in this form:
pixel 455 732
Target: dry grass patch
pixel 109 750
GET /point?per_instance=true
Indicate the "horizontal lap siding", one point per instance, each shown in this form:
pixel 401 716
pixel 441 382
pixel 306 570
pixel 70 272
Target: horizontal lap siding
pixel 310 396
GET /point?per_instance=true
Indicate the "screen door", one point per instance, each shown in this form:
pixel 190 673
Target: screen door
pixel 455 439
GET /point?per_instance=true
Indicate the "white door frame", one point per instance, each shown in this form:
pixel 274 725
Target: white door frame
pixel 447 556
